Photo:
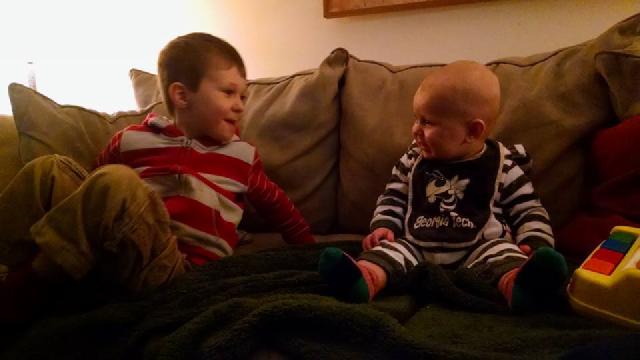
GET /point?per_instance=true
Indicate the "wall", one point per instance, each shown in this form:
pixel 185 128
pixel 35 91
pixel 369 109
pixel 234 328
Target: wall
pixel 281 36
pixel 83 49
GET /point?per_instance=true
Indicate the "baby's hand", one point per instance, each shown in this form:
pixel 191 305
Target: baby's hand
pixel 376 236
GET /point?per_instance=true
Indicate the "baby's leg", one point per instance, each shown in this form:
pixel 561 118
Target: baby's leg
pixel 114 224
pixel 538 284
pixel 493 258
pixel 361 280
pixel 525 283
pixel 39 186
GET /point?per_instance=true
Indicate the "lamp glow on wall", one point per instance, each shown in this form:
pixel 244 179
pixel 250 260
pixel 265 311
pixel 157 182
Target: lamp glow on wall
pixel 31 75
pixel 80 52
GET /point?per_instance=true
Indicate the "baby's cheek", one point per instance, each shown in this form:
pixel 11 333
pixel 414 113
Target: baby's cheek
pixel 415 132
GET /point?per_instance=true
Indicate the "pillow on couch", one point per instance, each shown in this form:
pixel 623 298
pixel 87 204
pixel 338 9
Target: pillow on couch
pixel 621 70
pixel 145 88
pixel 614 197
pixel 551 103
pixel 293 122
pixel 45 127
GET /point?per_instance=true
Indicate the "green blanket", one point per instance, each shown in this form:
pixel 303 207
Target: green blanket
pixel 276 302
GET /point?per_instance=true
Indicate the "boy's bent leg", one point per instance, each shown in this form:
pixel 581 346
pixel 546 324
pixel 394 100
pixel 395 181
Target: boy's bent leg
pixel 39 185
pixel 116 225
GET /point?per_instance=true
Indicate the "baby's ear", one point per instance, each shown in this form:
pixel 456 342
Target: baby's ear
pixel 476 129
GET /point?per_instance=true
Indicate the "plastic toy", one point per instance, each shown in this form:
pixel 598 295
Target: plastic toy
pixel 607 284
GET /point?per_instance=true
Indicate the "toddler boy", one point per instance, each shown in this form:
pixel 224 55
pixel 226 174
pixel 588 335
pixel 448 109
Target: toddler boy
pixel 167 195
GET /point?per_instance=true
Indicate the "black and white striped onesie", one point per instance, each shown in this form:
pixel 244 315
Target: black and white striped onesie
pixel 471 213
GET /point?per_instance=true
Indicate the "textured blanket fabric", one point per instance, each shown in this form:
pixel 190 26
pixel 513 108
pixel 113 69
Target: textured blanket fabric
pixel 275 300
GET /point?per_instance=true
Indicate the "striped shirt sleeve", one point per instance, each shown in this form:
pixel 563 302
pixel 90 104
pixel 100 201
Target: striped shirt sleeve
pixel 275 207
pixel 528 219
pixel 391 206
pixel 111 153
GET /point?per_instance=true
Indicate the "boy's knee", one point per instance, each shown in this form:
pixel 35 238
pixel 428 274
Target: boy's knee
pixel 115 174
pixel 56 164
pixel 50 161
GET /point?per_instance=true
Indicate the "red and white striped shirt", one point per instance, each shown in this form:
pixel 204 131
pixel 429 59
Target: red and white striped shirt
pixel 203 185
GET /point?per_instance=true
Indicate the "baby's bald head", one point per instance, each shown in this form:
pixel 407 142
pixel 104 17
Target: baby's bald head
pixel 462 90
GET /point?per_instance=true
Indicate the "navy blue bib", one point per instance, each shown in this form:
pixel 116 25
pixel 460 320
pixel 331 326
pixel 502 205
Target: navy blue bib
pixel 451 201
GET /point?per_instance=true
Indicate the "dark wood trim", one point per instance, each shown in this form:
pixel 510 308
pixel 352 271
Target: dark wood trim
pixel 331 12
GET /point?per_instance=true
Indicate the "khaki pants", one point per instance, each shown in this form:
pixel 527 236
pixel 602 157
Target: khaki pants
pixel 107 221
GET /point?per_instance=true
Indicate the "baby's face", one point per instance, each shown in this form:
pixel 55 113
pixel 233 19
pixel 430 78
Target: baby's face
pixel 216 106
pixel 439 134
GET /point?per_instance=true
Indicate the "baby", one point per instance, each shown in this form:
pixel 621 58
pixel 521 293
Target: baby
pixel 457 199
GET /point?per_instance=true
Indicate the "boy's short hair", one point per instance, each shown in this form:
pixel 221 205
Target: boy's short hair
pixel 186 59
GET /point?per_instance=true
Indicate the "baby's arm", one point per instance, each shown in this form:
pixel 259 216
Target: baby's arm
pixel 274 205
pixel 391 207
pixel 528 219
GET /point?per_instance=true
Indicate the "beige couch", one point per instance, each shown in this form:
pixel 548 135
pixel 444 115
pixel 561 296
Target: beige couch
pixel 330 136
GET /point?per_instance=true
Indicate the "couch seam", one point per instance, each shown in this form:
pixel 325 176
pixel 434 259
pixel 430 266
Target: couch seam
pixel 281 80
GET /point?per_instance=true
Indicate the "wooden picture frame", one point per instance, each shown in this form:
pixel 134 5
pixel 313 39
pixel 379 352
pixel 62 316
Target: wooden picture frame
pixel 343 8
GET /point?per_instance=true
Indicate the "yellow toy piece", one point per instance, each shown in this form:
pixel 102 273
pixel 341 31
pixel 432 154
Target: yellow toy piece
pixel 607 284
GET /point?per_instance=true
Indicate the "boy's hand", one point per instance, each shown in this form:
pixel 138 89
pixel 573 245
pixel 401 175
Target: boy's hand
pixel 376 236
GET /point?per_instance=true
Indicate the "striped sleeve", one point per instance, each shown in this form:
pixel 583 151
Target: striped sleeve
pixel 527 217
pixel 275 207
pixel 519 156
pixel 391 206
pixel 111 153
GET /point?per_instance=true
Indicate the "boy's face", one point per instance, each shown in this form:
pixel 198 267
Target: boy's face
pixel 439 136
pixel 215 108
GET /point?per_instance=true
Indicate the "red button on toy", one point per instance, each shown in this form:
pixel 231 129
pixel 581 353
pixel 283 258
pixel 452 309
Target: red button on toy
pixel 599 266
pixel 609 256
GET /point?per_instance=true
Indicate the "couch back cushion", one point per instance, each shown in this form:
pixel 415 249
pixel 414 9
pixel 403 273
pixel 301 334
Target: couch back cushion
pixel 293 122
pixel 45 127
pixel 551 103
pixel 9 156
pixel 620 68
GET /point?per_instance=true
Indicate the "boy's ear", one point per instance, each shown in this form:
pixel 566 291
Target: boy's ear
pixel 178 93
pixel 476 129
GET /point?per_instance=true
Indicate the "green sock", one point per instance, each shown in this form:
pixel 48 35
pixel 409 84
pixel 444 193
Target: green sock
pixel 343 275
pixel 538 282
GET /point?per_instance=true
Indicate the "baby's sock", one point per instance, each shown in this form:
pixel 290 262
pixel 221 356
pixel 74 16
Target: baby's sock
pixel 535 285
pixel 355 281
